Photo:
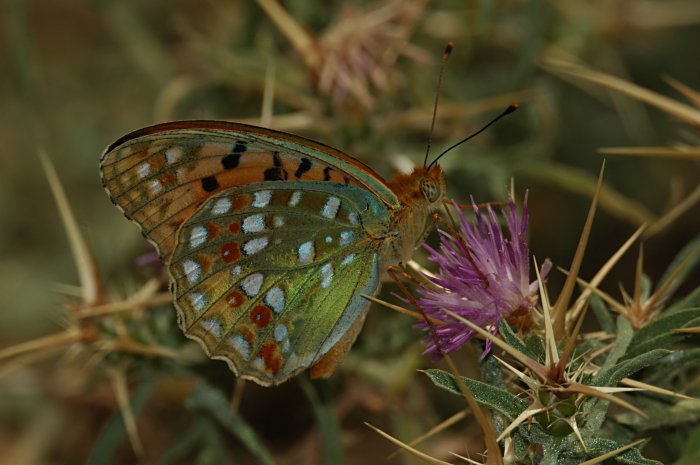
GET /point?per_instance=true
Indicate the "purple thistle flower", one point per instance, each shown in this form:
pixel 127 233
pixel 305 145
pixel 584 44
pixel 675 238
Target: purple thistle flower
pixel 483 277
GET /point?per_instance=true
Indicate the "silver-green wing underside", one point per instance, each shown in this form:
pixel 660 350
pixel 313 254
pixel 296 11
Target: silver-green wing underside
pixel 269 276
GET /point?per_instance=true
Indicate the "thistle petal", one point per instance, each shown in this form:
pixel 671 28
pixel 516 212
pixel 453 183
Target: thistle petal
pixel 484 276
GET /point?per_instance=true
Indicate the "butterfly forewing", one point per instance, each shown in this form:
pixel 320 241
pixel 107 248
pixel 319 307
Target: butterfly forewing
pixel 159 176
pixel 269 276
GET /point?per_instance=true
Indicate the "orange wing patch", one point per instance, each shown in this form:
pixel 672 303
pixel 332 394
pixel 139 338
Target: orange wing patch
pixel 159 182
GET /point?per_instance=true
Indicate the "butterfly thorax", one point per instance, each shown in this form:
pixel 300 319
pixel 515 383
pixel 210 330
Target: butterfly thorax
pixel 419 193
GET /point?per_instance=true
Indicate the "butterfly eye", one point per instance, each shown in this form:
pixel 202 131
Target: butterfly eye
pixel 430 189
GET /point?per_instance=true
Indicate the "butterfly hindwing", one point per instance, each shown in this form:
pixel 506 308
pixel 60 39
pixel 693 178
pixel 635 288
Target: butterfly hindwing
pixel 159 176
pixel 269 276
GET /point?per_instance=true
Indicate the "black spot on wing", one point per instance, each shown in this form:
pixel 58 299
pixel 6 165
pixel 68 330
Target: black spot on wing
pixel 276 173
pixel 304 166
pixel 231 161
pixel 327 173
pixel 210 184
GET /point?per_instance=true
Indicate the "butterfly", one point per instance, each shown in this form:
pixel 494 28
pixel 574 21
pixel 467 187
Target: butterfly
pixel 270 239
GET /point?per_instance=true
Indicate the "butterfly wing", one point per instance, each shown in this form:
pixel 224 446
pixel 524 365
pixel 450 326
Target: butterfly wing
pixel 160 175
pixel 269 276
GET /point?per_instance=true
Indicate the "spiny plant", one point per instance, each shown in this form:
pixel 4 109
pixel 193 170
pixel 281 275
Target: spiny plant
pixel 549 387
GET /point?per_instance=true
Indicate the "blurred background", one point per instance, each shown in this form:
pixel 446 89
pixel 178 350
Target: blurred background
pixel 359 75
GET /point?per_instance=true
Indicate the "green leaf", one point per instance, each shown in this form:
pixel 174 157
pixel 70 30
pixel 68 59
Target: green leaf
pixel 594 412
pixel 185 443
pixel 512 340
pixel 599 446
pixel 211 401
pixel 198 436
pixel 659 333
pixel 628 367
pixel 114 432
pixel 678 360
pixel 214 450
pixel 521 446
pixel 551 452
pixel 692 445
pixel 661 414
pixel 489 396
pixel 688 459
pixel 624 337
pixel 602 314
pixel 535 343
pixel 690 253
pixel 691 300
pixel 492 372
pixel 327 421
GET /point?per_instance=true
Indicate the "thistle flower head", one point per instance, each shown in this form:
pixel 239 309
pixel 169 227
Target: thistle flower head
pixel 482 276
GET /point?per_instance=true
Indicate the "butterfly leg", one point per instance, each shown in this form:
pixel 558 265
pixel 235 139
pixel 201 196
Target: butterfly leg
pixel 394 272
pixel 397 272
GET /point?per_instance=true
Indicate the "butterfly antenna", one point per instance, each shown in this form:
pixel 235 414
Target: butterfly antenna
pixel 507 111
pixel 445 57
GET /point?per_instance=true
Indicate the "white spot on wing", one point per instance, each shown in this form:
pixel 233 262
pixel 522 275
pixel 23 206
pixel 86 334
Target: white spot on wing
pixel 254 223
pixel 221 206
pixel 198 236
pixel 353 218
pixel 197 300
pixel 275 299
pixel 212 326
pixel 326 275
pixel 262 198
pixel 280 332
pixel 155 186
pixel 347 260
pixel 277 221
pixel 240 345
pixel 329 239
pixel 330 209
pixel 144 169
pixel 251 284
pixel 295 199
pixel 235 271
pixel 255 245
pixel 258 364
pixel 346 237
pixel 192 271
pixel 306 252
pixel 173 154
